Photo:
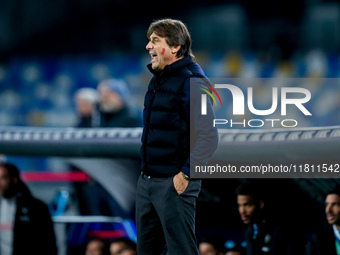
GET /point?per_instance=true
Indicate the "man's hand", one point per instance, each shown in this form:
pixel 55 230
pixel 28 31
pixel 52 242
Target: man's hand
pixel 180 183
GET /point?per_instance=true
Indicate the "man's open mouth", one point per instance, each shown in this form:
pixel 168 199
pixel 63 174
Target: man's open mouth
pixel 153 57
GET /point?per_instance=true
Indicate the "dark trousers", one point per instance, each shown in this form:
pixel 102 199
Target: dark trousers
pixel 164 218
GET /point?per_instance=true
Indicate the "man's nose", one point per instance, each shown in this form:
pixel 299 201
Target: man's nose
pixel 149 46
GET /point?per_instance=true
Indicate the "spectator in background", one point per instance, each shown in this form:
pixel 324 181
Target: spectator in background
pixel 86 100
pixel 115 110
pixel 212 246
pixel 123 246
pixel 25 223
pixel 327 240
pixel 106 107
pixel 264 235
pixel 237 250
pixel 96 247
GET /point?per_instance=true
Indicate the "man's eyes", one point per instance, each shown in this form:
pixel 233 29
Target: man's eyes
pixel 335 204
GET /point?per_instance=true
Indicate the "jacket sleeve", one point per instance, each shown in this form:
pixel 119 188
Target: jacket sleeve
pixel 203 136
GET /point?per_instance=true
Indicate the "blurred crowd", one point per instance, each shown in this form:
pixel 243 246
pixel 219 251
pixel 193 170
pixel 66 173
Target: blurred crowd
pixel 40 91
pixel 59 91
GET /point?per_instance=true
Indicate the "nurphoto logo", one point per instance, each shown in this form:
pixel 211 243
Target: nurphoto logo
pixel 288 97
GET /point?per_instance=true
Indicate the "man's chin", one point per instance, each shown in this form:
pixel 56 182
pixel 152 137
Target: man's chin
pixel 246 222
pixel 156 67
pixel 331 222
pixel 336 222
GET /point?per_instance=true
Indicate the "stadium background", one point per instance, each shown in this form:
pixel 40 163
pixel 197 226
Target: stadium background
pixel 49 49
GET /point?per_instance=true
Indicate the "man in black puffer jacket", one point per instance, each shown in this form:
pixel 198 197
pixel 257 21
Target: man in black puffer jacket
pixel 175 138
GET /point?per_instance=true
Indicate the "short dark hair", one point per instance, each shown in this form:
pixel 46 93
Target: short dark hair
pixel 216 241
pixel 12 170
pixel 129 244
pixel 335 190
pixel 250 189
pixel 175 33
pixel 105 248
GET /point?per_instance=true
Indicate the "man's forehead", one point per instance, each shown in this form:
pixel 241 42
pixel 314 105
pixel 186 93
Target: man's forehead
pixel 333 198
pixel 245 199
pixel 154 35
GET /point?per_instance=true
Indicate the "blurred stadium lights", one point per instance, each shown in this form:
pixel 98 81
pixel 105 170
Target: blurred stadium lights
pixel 93 26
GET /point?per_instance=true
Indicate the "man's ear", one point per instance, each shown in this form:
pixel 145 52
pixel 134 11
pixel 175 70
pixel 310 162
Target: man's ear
pixel 15 180
pixel 174 49
pixel 261 204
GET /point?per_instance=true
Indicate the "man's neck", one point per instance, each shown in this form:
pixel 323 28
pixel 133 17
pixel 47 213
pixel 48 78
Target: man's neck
pixel 174 60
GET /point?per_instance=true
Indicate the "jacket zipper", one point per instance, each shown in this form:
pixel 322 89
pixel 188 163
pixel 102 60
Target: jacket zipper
pixel 148 122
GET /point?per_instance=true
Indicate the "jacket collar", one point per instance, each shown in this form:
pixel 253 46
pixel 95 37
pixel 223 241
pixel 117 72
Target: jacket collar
pixel 177 65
